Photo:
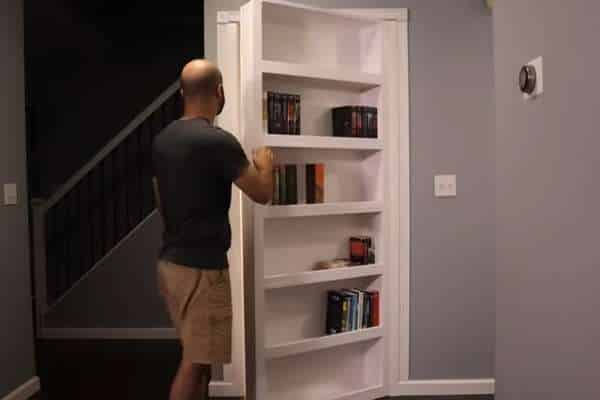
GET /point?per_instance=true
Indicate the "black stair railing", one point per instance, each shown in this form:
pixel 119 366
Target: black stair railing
pixel 97 209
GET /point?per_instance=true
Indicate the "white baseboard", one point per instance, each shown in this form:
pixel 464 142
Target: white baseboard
pixel 108 333
pixel 25 391
pixel 449 387
pixel 225 389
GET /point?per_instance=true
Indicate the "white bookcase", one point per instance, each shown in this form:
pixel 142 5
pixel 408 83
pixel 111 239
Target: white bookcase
pixel 330 58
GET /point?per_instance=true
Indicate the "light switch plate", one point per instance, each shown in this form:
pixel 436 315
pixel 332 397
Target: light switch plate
pixel 10 194
pixel 445 186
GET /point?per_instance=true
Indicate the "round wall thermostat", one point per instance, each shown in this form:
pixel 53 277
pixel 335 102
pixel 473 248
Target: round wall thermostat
pixel 527 79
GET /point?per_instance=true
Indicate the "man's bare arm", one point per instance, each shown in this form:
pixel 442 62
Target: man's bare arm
pixel 256 181
pixel 157 196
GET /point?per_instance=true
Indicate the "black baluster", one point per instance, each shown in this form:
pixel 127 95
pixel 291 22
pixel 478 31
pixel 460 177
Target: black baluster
pixel 102 207
pixel 82 229
pixel 67 241
pixel 51 282
pixel 139 163
pixel 115 196
pixel 125 186
pixel 91 220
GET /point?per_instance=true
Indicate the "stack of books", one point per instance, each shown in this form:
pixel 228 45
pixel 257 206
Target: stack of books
pixel 281 113
pixel 298 184
pixel 355 121
pixel 351 309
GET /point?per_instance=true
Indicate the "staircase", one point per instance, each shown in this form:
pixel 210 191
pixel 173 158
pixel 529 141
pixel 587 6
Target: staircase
pixel 95 210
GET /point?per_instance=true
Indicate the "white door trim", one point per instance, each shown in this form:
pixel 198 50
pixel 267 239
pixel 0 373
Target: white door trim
pixel 443 387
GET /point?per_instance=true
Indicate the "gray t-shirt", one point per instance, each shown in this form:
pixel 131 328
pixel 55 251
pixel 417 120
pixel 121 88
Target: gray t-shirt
pixel 195 164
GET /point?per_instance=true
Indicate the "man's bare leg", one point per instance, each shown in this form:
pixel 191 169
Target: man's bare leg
pixel 191 382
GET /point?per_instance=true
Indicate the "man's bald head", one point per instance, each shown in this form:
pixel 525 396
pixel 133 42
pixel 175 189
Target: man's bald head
pixel 200 78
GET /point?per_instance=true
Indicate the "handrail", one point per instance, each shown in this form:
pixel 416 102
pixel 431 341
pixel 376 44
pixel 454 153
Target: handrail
pixel 110 146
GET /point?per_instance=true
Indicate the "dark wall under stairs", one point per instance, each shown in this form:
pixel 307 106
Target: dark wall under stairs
pixel 91 67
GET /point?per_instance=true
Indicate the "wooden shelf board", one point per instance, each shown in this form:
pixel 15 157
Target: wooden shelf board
pixel 354 79
pixel 322 209
pixel 320 276
pixel 322 142
pixel 323 342
pixel 372 392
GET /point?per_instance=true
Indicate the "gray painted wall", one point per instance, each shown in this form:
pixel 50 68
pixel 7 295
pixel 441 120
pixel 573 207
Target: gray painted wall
pixel 16 332
pixel 122 291
pixel 547 202
pixel 452 326
pixel 452 128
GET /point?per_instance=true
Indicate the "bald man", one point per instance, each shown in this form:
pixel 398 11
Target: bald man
pixel 195 164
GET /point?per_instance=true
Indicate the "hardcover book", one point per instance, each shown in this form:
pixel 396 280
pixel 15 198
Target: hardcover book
pixel 334 312
pixel 291 176
pixel 282 185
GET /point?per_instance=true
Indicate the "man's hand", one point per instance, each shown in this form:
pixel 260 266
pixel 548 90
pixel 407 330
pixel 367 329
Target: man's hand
pixel 263 159
pixel 257 179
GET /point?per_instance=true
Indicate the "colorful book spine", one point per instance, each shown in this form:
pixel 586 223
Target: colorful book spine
pixel 345 312
pixel 319 183
pixel 315 183
pixel 375 308
pixel 367 308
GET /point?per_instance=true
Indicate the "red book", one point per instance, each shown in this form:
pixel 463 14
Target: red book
pixel 319 183
pixel 374 308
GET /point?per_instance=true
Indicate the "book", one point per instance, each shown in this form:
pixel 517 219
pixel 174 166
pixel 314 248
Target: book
pixel 354 121
pixel 291 114
pixel 276 121
pixel 359 308
pixel 367 308
pixel 375 308
pixel 351 308
pixel 361 250
pixel 265 111
pixel 282 185
pixel 319 183
pixel 297 125
pixel 374 124
pixel 334 312
pixel 310 183
pixel 291 176
pixel 281 113
pixel 346 300
pixel 275 185
pixel 364 122
pixel 285 113
pixel 301 183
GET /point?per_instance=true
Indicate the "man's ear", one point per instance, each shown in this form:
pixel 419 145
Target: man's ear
pixel 220 90
pixel 181 92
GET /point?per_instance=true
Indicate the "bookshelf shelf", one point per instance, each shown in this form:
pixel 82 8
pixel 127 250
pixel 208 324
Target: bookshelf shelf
pixel 323 209
pixel 323 342
pixel 331 275
pixel 343 76
pixel 373 392
pixel 322 142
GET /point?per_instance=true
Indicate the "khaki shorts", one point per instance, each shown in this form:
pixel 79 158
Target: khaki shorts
pixel 199 303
